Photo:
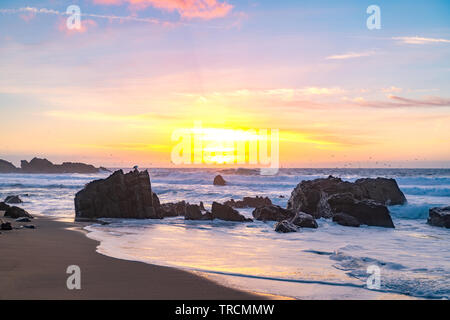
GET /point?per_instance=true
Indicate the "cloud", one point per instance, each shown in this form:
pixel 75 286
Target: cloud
pixel 401 102
pixel 391 89
pixel 419 40
pixel 203 9
pixel 85 25
pixel 351 55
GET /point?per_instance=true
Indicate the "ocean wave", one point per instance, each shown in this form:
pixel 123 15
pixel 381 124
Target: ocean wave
pixel 421 191
pixel 40 186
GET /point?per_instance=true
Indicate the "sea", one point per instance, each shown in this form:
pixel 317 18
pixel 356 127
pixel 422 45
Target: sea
pixel 411 261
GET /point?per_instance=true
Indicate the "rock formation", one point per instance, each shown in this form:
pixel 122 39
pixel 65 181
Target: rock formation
pixel 118 196
pixel 272 213
pixel 219 181
pixel 249 202
pixel 37 165
pixel 14 212
pixel 227 213
pixel 439 217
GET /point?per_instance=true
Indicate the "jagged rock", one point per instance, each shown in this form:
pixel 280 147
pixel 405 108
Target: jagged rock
pixel 382 190
pixel 13 199
pixel 219 181
pixel 285 226
pixel 249 202
pixel 174 209
pixel 367 212
pixel 304 220
pixel 7 167
pixel 15 212
pixel 439 217
pixel 5 226
pixel 346 220
pixel 224 212
pixel 118 196
pixel 272 213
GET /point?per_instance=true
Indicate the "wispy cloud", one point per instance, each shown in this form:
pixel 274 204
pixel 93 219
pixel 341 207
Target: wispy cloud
pixel 420 40
pixel 401 102
pixel 351 55
pixel 203 9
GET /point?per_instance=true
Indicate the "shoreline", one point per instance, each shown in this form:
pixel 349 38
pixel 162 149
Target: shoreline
pixel 33 265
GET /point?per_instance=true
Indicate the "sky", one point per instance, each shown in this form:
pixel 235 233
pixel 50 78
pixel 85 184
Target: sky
pixel 113 92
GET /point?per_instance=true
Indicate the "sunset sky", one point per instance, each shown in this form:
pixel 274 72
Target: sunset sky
pixel 113 92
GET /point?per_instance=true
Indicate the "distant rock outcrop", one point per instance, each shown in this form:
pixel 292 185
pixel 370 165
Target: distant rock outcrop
pixel 219 181
pixel 7 167
pixel 118 196
pixel 37 165
pixel 227 213
pixel 365 200
pixel 439 217
pixel 249 202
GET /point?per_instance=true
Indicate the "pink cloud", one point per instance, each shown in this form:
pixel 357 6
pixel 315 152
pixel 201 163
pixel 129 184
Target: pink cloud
pixel 203 9
pixel 85 25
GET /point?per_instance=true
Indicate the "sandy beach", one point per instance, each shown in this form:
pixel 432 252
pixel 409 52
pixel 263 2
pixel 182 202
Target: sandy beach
pixel 34 261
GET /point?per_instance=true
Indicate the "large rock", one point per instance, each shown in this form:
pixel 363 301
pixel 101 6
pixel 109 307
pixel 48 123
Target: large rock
pixel 37 165
pixel 382 190
pixel 272 213
pixel 219 181
pixel 13 199
pixel 249 202
pixel 285 226
pixel 118 196
pixel 304 220
pixel 439 217
pixel 227 213
pixel 7 167
pixel 365 211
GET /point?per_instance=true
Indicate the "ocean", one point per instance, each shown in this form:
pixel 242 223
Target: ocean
pixel 326 263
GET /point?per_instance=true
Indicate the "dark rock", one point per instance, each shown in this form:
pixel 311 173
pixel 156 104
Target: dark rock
pixel 103 169
pixel 272 213
pixel 23 219
pixel 382 190
pixel 249 202
pixel 13 199
pixel 3 206
pixel 193 212
pixel 174 209
pixel 219 181
pixel 37 165
pixel 346 220
pixel 304 220
pixel 224 212
pixel 285 226
pixel 5 226
pixel 118 196
pixel 367 212
pixel 439 217
pixel 16 212
pixel 29 226
pixel 7 167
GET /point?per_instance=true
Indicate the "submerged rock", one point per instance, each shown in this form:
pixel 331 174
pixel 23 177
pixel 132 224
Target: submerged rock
pixel 13 199
pixel 272 213
pixel 439 217
pixel 219 181
pixel 346 220
pixel 118 196
pixel 227 213
pixel 304 220
pixel 285 226
pixel 249 202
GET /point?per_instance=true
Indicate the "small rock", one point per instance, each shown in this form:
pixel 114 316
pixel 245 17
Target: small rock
pixel 304 220
pixel 30 226
pixel 13 199
pixel 439 217
pixel 16 212
pixel 285 226
pixel 6 226
pixel 193 212
pixel 227 213
pixel 272 213
pixel 219 181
